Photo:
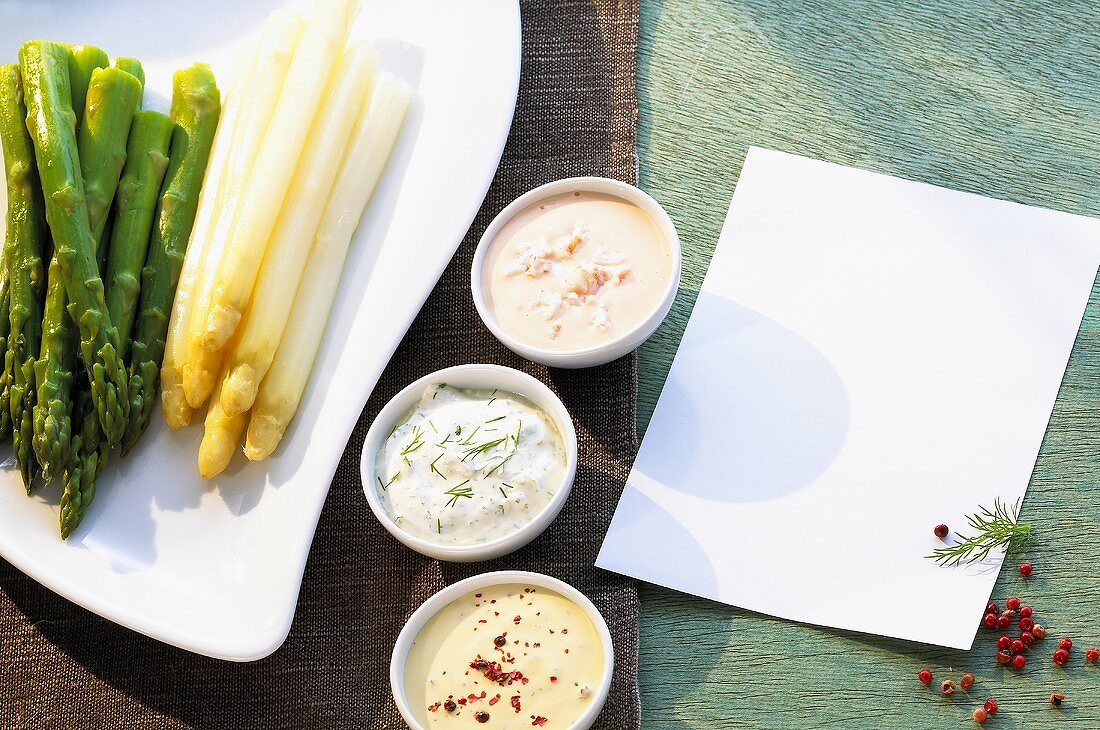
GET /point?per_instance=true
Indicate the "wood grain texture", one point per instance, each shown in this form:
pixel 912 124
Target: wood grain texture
pixel 997 98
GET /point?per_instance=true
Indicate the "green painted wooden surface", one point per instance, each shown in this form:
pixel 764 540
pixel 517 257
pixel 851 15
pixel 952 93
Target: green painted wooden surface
pixel 997 98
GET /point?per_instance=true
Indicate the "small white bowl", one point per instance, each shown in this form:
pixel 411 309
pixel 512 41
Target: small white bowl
pixel 622 343
pixel 451 593
pixel 471 376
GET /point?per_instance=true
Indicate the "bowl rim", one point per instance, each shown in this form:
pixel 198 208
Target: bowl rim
pixel 529 387
pixel 621 343
pixel 444 597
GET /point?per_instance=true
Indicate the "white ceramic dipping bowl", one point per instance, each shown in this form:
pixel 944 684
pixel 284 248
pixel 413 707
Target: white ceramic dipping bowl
pixel 623 342
pixel 451 593
pixel 471 377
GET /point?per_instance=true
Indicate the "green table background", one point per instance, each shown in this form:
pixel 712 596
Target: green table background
pixel 997 98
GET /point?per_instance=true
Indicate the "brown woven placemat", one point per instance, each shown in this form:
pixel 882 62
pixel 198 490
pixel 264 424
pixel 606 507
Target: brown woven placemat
pixel 61 666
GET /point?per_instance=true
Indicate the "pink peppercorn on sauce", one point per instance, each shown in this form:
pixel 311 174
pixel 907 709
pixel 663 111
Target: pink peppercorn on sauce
pixel 510 655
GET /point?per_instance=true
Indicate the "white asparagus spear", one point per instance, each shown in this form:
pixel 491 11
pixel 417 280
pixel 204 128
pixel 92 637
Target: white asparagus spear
pixel 314 59
pixel 199 368
pixel 371 145
pixel 173 404
pixel 220 438
pixel 290 243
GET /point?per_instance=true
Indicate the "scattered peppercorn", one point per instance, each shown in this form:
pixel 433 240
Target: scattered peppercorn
pixel 966 681
pixel 1025 611
pixel 499 641
pixel 1004 643
pixel 1019 661
pixel 1065 643
pixel 1057 698
pixel 980 715
pixel 1027 624
pixel 1012 602
pixel 1039 631
pixel 1028 638
pixel 450 706
pixel 481 716
pixel 1092 654
pixel 1025 569
pixel 990 621
pixel 925 676
pixel 1060 656
pixel 947 687
pixel 941 531
pixel 990 706
pixel 1018 646
pixel 992 608
pixel 1003 621
pixel 1003 657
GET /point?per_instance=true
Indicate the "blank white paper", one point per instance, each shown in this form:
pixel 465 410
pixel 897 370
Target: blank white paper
pixel 869 357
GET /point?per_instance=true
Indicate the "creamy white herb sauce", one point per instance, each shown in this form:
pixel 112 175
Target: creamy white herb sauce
pixel 469 466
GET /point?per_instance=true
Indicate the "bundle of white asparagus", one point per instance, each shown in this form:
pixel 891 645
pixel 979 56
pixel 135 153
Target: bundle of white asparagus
pixel 305 135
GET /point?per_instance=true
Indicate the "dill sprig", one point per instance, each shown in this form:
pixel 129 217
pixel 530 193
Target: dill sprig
pixel 416 442
pixel 503 461
pixel 994 528
pixel 458 491
pixel 483 447
pixel 387 484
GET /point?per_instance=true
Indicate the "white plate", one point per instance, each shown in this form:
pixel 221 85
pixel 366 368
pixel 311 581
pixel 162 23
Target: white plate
pixel 215 568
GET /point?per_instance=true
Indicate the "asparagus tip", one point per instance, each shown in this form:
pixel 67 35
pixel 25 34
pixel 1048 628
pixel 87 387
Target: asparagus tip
pixel 239 390
pixel 264 435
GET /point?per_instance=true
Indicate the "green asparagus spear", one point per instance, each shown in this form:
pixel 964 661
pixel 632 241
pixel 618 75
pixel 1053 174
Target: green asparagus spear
pixel 89 454
pixel 101 145
pixel 131 66
pixel 45 75
pixel 196 105
pixel 83 60
pixel 135 206
pixel 26 243
pixel 113 95
pixel 53 377
pixel 5 327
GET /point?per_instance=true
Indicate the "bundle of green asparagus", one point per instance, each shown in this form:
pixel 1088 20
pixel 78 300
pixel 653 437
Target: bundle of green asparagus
pixel 307 137
pixel 101 201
